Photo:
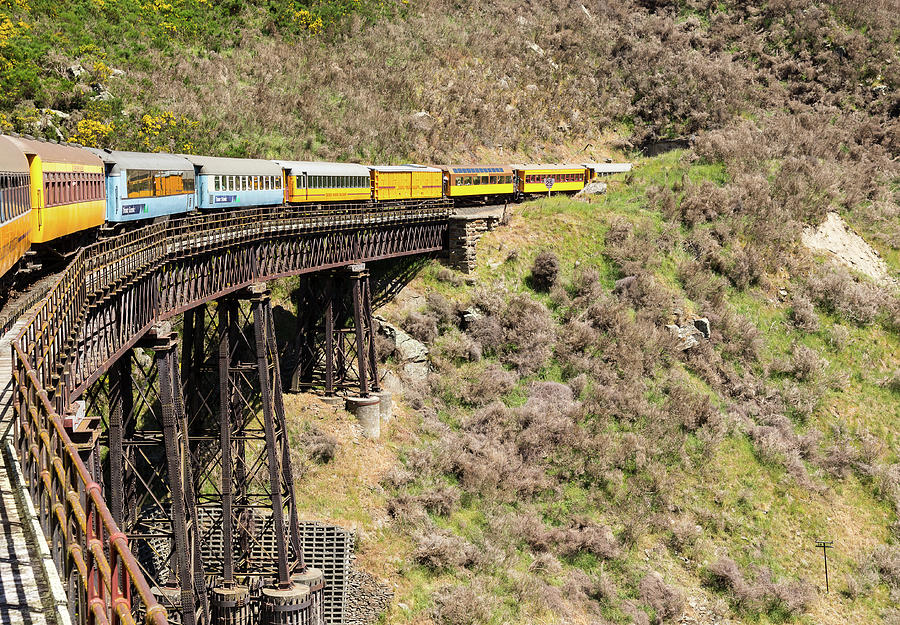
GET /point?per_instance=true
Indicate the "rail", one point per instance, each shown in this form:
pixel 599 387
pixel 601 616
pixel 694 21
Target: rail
pixel 108 296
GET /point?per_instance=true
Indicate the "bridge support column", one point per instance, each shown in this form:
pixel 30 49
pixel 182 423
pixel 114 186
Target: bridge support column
pixel 187 573
pixel 121 402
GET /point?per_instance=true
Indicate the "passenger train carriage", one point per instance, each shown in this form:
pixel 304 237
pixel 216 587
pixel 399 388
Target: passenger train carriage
pixel 55 197
pixel 15 205
pixel 144 186
pixel 601 170
pixel 534 178
pixel 67 192
pixel 406 182
pixel 307 181
pixel 469 181
pixel 235 182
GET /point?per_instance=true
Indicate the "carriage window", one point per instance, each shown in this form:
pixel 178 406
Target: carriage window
pixel 215 183
pixel 139 183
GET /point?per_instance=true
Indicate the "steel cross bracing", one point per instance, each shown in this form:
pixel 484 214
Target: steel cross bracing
pixel 335 342
pixel 94 326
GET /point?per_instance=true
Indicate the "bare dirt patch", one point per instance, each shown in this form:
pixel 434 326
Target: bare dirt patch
pixel 834 238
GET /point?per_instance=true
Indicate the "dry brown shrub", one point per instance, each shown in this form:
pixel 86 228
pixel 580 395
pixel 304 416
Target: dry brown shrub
pixel 318 446
pixel 691 410
pixel 407 510
pixel 763 594
pixel 422 327
pixel 635 613
pixel 522 333
pixel 833 287
pixel 795 597
pixel 457 346
pixel 802 400
pixel 839 337
pixel 546 564
pixel 492 467
pixel 584 536
pixel 449 276
pixel 724 574
pixel 384 348
pixel 685 534
pixel 462 605
pixel 544 271
pixel 547 421
pixel 441 550
pixel 441 500
pixel 667 602
pixel 397 476
pixel 488 332
pixel 805 363
pixel 494 420
pixel 444 311
pixel 704 202
pixel 701 285
pixel 886 559
pixel 488 386
pixel 803 315
pixel 585 285
pixel 649 298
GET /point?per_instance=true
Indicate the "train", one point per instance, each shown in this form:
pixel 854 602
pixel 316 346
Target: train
pixel 56 197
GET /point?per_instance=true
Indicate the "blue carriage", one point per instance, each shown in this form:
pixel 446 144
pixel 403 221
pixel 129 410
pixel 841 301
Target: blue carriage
pixel 236 182
pixel 145 186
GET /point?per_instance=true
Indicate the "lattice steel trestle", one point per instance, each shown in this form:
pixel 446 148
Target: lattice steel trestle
pixel 196 466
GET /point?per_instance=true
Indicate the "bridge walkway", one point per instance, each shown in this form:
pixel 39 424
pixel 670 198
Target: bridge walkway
pixel 25 593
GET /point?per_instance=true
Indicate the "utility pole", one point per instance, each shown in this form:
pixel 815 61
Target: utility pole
pixel 825 545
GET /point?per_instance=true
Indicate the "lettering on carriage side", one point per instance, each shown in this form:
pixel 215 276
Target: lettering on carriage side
pixel 133 209
pixel 223 199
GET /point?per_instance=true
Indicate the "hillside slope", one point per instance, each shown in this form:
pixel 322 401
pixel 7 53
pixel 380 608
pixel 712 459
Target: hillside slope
pixel 434 79
pixel 567 462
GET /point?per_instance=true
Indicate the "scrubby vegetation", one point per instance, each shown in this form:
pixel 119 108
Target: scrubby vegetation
pixel 567 460
pixel 434 80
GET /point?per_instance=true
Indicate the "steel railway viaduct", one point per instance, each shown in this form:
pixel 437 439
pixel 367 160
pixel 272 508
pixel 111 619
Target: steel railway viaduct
pixel 157 459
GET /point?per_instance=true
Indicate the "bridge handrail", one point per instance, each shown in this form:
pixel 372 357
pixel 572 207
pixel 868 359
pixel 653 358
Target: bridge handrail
pixel 94 545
